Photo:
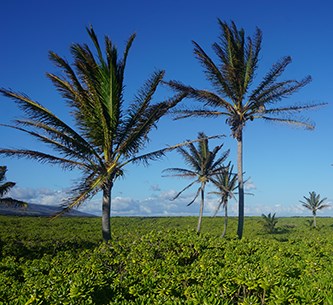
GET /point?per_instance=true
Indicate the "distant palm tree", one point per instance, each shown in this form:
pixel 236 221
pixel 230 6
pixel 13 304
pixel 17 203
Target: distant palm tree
pixel 226 183
pixel 108 132
pixel 231 79
pixel 313 203
pixel 5 187
pixel 270 222
pixel 204 165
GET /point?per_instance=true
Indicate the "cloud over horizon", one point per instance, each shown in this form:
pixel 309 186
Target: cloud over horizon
pixel 160 204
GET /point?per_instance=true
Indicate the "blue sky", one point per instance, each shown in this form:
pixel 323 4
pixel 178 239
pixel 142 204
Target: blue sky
pixel 283 163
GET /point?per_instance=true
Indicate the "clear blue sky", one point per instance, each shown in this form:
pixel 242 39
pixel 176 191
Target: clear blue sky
pixel 283 163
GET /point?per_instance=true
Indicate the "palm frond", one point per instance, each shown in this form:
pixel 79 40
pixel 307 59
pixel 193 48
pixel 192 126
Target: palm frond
pixel 6 187
pixel 41 157
pixel 291 121
pixel 196 196
pixel 184 189
pixel 270 78
pixel 179 172
pixel 67 146
pixel 3 170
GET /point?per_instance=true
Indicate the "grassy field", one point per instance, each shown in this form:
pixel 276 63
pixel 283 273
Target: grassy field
pixel 164 261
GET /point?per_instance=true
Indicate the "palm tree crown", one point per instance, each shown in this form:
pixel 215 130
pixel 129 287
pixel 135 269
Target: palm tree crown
pixel 203 166
pixel 231 78
pixel 226 183
pixel 314 203
pixel 107 136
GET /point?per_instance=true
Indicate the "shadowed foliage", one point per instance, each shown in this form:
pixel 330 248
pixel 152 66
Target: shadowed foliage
pixel 203 166
pixel 108 133
pixel 269 222
pixel 231 77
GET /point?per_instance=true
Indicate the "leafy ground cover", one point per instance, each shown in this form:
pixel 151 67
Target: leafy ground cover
pixel 164 261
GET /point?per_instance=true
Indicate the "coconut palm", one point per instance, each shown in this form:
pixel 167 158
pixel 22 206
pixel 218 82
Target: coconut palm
pixel 270 222
pixel 203 166
pixel 231 78
pixel 226 183
pixel 313 203
pixel 107 135
pixel 5 187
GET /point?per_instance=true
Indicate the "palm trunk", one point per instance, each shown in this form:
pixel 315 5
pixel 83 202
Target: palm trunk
pixel 240 185
pixel 314 220
pixel 201 207
pixel 225 220
pixel 106 212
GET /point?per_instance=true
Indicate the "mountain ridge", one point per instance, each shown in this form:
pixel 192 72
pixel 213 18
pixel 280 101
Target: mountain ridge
pixel 40 210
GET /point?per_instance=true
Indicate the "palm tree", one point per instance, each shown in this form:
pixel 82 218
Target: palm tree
pixel 231 79
pixel 313 203
pixel 5 187
pixel 270 222
pixel 226 183
pixel 203 167
pixel 106 136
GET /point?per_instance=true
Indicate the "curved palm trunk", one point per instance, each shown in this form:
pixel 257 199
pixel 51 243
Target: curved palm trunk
pixel 240 185
pixel 201 207
pixel 106 212
pixel 225 220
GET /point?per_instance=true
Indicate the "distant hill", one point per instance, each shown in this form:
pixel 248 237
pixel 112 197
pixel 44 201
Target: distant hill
pixel 39 210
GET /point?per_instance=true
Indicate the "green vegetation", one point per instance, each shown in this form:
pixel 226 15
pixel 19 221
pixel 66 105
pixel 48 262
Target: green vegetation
pixel 231 79
pixel 164 261
pixel 5 187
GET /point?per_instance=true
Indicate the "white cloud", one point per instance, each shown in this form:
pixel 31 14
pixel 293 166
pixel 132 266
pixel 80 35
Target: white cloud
pixel 249 185
pixel 160 204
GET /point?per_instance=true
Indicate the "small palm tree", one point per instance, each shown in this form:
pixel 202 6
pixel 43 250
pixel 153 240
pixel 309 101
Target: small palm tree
pixel 231 79
pixel 270 222
pixel 5 187
pixel 226 183
pixel 314 203
pixel 106 136
pixel 204 165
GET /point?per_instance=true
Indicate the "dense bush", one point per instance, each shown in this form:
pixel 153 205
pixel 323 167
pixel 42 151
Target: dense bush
pixel 163 261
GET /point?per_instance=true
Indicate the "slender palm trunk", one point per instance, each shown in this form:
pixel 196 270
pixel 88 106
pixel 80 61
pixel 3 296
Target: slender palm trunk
pixel 314 220
pixel 240 185
pixel 106 212
pixel 225 219
pixel 201 207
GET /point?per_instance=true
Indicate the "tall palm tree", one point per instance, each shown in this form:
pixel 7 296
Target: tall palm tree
pixel 107 135
pixel 313 203
pixel 226 183
pixel 5 187
pixel 204 165
pixel 231 78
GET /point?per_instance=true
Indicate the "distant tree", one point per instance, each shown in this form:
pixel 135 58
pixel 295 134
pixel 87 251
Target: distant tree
pixel 203 166
pixel 313 203
pixel 231 78
pixel 226 183
pixel 270 222
pixel 5 187
pixel 108 132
